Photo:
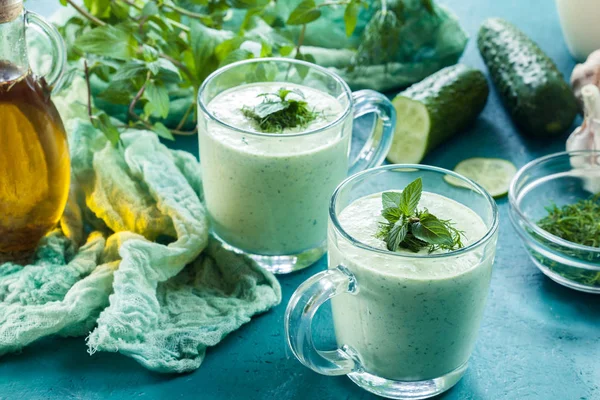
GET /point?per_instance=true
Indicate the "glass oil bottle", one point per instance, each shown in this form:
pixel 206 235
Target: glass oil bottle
pixel 34 155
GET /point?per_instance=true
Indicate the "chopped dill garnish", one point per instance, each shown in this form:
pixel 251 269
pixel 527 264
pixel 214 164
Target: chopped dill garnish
pixel 277 112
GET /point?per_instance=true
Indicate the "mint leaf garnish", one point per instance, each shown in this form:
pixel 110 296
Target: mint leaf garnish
pixel 431 230
pixel 392 214
pixel 391 199
pixel 410 197
pixel 397 234
pixel 413 229
pixel 413 244
pixel 266 108
pixel 277 112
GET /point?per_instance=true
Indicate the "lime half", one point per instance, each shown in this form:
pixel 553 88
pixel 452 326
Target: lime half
pixel 494 174
pixel 412 132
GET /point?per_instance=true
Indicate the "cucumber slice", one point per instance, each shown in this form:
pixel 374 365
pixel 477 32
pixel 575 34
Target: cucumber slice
pixel 493 174
pixel 412 131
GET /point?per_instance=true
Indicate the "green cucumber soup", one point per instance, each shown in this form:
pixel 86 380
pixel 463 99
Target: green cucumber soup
pixel 268 194
pixel 413 318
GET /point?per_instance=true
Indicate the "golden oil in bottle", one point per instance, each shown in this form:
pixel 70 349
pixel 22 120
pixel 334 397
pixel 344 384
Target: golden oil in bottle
pixel 34 163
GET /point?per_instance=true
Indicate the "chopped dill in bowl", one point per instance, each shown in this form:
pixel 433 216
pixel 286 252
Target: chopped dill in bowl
pixel 577 223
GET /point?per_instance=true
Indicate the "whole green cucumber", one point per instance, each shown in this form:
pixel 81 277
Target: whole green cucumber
pixel 433 110
pixel 532 88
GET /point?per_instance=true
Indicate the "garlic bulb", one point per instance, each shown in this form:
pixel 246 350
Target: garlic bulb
pixel 585 74
pixel 587 137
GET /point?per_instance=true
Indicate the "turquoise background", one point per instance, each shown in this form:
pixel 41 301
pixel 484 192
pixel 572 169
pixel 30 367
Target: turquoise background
pixel 538 340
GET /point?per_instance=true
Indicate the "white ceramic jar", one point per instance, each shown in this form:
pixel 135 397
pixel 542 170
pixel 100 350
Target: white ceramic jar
pixel 579 20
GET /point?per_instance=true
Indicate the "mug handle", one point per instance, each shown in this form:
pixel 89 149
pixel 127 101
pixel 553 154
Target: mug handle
pixel 58 50
pixel 299 314
pixel 379 142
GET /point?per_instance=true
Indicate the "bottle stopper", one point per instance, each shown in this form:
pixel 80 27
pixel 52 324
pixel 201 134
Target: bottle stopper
pixel 10 9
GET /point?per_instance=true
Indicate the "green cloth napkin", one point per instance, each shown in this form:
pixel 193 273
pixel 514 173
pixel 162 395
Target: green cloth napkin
pixel 428 41
pixel 147 280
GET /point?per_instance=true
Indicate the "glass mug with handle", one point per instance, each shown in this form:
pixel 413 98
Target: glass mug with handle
pixel 266 193
pixel 405 323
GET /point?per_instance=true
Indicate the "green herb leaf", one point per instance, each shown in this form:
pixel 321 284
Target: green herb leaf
pixel 351 17
pixel 203 43
pixel 236 55
pixel 302 69
pixel 410 197
pixel 97 7
pixel 162 131
pixel 396 235
pixel 130 70
pixel 413 244
pixel 150 9
pixel 109 41
pixel 431 230
pixel 266 108
pixel 165 70
pixel 102 122
pixel 149 53
pixel 283 93
pixel 265 49
pixel 304 13
pixel 105 69
pixel 227 46
pixel 248 3
pixel 261 73
pixel 158 100
pixel 392 214
pixel 286 50
pixel 117 92
pixel 118 10
pixel 391 199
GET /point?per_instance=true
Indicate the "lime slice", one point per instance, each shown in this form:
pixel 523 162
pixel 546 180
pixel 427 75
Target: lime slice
pixel 412 132
pixel 494 174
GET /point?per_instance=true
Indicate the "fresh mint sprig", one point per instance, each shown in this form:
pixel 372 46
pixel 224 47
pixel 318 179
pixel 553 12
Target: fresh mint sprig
pixel 413 229
pixel 278 112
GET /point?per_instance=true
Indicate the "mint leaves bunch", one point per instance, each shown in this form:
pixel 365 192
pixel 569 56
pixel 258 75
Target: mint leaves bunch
pixel 277 112
pixel 413 229
pixel 144 61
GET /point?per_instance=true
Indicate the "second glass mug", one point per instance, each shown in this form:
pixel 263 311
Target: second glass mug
pixel 267 193
pixel 405 323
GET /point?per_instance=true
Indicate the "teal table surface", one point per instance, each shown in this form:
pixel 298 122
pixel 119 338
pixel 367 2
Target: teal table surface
pixel 538 340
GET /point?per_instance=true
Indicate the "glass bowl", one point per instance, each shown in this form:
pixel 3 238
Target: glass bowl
pixel 560 179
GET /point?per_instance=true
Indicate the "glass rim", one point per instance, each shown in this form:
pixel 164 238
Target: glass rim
pixel 473 185
pixel 512 198
pixel 341 117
